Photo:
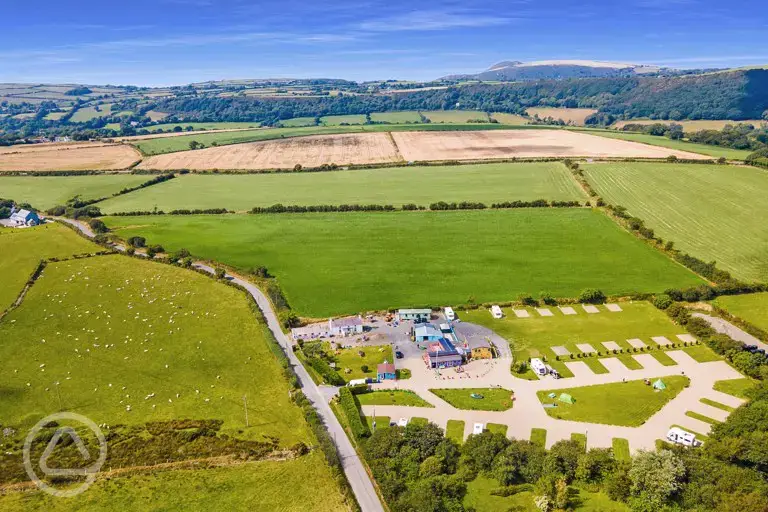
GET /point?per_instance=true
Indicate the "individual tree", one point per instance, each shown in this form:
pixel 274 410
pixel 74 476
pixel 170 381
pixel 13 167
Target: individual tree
pixel 480 450
pixel 656 477
pixel 98 226
pixel 563 459
pixel 592 296
pixel 424 438
pixel 595 465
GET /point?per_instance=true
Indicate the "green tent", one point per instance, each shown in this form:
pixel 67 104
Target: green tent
pixel 565 397
pixel 659 384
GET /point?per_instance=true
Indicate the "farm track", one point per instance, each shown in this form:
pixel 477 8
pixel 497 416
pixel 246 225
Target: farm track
pixel 361 483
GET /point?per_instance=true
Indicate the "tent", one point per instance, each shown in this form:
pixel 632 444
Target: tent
pixel 565 397
pixel 659 384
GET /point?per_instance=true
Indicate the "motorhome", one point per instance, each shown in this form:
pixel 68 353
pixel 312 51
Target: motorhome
pixel 679 436
pixel 496 311
pixel 449 314
pixel 538 367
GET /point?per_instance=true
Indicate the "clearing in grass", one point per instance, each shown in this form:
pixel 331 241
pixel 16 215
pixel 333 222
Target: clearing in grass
pixel 536 335
pixel 752 308
pixel 43 192
pixel 708 211
pixel 132 341
pixel 282 485
pixel 487 183
pixel 392 397
pixel 378 256
pixel 477 399
pixel 22 249
pixel 739 388
pixel 607 403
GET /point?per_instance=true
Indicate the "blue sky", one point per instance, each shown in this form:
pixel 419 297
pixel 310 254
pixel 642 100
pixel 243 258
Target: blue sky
pixel 165 42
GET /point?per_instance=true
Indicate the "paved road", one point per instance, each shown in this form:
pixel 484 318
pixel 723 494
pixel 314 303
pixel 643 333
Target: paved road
pixel 358 478
pixel 726 327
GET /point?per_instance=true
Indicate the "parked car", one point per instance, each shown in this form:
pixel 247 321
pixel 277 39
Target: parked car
pixel 399 355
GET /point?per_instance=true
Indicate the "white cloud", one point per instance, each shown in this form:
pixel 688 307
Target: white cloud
pixel 432 20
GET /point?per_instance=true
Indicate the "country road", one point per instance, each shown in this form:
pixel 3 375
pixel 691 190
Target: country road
pixel 357 476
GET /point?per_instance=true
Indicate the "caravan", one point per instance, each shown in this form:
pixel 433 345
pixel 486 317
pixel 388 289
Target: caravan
pixel 496 311
pixel 538 367
pixel 679 436
pixel 449 314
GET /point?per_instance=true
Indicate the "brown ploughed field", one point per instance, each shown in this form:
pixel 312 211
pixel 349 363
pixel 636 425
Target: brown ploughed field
pixel 68 157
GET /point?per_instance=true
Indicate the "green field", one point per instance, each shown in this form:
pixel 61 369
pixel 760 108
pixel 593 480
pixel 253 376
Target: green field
pixel 402 259
pixel 350 359
pixel 455 116
pixel 258 486
pixel 167 127
pixel 298 121
pixel 55 116
pixel 621 449
pixel 704 149
pixel 486 183
pixel 493 399
pixel 162 145
pixel 392 397
pixel 709 211
pixel 85 114
pixel 736 387
pixel 339 120
pixel 22 249
pixel 43 192
pixel 170 343
pixel 534 336
pixel 607 403
pixel 752 308
pixel 396 117
pixel 539 436
pixel 455 430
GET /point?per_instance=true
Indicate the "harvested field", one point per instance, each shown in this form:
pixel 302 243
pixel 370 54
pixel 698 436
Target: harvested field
pixel 281 154
pixel 67 157
pixel 574 115
pixel 423 146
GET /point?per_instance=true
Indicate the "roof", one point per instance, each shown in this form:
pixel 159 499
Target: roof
pixel 385 368
pixel 442 347
pixel 427 330
pixel 309 329
pixel 414 311
pixel 22 214
pixel 350 321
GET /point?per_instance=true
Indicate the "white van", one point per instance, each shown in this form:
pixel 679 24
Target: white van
pixel 496 311
pixel 478 428
pixel 449 314
pixel 679 436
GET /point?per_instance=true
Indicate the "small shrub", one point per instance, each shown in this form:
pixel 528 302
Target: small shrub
pixel 220 273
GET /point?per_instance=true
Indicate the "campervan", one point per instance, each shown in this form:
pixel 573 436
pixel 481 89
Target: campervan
pixel 679 436
pixel 449 314
pixel 538 367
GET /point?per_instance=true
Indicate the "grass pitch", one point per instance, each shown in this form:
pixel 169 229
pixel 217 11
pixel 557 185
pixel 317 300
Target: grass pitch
pixel 396 117
pixel 607 403
pixel 43 192
pixel 267 485
pixel 487 183
pixel 331 264
pixel 393 397
pixel 131 341
pixel 22 249
pixel 710 211
pixel 493 399
pixel 753 307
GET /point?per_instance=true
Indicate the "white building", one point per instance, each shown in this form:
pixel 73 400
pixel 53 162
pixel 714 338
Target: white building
pixel 310 332
pixel 24 218
pixel 345 326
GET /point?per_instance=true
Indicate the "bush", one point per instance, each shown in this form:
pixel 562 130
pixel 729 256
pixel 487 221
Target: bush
pixel 527 300
pixel 662 301
pixel 592 296
pixel 548 299
pixel 220 273
pixel 364 368
pixel 137 241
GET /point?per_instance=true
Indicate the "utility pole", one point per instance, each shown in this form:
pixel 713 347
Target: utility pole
pixel 245 406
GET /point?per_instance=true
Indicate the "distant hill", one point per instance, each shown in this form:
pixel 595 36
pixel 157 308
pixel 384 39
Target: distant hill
pixel 560 69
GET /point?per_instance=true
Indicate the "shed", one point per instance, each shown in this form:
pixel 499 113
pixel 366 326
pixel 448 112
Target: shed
pixel 417 315
pixel 386 371
pixel 427 332
pixel 566 398
pixel 659 384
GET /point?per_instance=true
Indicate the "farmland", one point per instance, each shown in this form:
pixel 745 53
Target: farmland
pixel 339 120
pixel 607 403
pixel 512 119
pixel 311 151
pixel 704 149
pixel 490 255
pixel 85 114
pixel 65 157
pixel 462 145
pixel 455 116
pixel 573 115
pixel 398 185
pixel 396 117
pixel 752 308
pixel 222 488
pixel 203 126
pixel 297 122
pixel 175 343
pixel 707 210
pixel 43 192
pixel 21 251
pixel 691 126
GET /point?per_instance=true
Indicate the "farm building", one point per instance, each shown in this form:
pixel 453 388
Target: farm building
pixel 480 349
pixel 310 332
pixel 417 315
pixel 345 326
pixel 385 371
pixel 24 218
pixel 426 332
pixel 442 354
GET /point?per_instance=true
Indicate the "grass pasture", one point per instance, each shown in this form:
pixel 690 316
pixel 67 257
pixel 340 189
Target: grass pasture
pixel 22 249
pixel 131 341
pixel 513 119
pixel 739 388
pixel 218 488
pixel 523 251
pixel 43 192
pixel 203 126
pixel 396 117
pixel 493 399
pixel 709 211
pixel 298 122
pixel 653 140
pixel 392 397
pixel 607 403
pixel 752 308
pixel 85 114
pixel 342 120
pixel 575 116
pixel 455 116
pixel 534 336
pixel 397 185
